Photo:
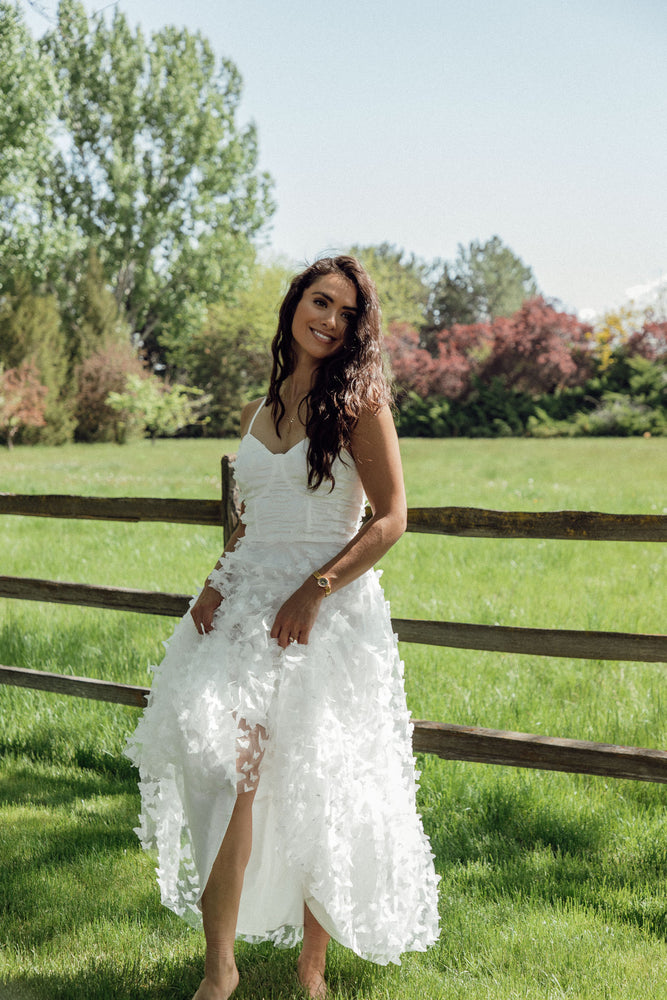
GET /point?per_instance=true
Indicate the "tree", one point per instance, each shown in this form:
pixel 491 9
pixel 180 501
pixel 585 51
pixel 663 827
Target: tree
pixel 92 317
pixel 22 400
pixel 31 239
pixel 402 283
pixel 649 342
pixel 153 170
pixel 412 366
pixel 487 280
pixel 31 331
pixel 230 357
pixel 537 350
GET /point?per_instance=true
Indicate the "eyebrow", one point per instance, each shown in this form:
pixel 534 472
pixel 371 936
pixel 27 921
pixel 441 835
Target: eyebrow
pixel 329 298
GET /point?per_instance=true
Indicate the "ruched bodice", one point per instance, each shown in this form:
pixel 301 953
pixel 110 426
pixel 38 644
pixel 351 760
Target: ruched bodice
pixel 280 507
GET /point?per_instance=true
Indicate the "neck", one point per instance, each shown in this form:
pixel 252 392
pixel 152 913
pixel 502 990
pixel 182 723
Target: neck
pixel 297 385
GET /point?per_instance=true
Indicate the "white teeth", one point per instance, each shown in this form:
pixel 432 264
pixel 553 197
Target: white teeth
pixel 324 337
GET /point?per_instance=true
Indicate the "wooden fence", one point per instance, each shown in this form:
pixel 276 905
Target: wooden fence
pixel 444 739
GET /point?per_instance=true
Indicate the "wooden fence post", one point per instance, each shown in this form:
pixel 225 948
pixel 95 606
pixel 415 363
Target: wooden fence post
pixel 231 508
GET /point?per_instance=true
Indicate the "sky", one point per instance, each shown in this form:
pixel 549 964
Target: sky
pixel 428 124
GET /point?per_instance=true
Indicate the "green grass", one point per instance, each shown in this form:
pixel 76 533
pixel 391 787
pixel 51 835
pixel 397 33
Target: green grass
pixel 553 885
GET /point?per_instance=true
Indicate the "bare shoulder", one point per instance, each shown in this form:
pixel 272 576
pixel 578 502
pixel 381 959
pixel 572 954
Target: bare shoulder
pixel 374 432
pixel 248 412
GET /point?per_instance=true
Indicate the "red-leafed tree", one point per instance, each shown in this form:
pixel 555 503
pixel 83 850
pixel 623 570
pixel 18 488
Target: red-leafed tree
pixel 650 342
pixel 463 351
pixel 22 400
pixel 539 350
pixel 412 366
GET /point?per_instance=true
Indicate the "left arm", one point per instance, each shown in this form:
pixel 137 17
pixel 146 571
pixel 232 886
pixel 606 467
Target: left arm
pixel 377 458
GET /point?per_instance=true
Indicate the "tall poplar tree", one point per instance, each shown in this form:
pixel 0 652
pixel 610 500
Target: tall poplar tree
pixel 30 236
pixel 153 170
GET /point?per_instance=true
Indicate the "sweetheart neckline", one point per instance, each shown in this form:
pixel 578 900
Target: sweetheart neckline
pixel 275 453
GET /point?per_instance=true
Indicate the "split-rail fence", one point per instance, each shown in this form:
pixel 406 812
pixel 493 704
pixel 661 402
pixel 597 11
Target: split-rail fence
pixel 452 742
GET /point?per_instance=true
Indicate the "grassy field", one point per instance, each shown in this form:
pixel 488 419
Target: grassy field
pixel 553 885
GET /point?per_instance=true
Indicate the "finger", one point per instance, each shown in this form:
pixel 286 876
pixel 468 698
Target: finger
pixel 280 629
pixel 286 637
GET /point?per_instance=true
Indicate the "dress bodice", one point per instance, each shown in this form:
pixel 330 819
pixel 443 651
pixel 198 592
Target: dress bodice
pixel 279 506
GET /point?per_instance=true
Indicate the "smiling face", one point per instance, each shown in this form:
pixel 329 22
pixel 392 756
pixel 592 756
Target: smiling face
pixel 326 311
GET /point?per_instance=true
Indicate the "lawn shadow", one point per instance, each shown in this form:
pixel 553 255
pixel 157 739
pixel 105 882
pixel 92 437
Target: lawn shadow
pixel 266 973
pixel 38 785
pixel 504 840
pixel 68 820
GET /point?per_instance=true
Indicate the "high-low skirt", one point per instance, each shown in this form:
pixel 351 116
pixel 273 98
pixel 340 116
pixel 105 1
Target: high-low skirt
pixel 321 731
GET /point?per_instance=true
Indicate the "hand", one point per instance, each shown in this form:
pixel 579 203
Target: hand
pixel 297 615
pixel 204 608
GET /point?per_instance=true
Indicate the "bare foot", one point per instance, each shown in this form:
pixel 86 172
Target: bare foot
pixel 219 990
pixel 312 979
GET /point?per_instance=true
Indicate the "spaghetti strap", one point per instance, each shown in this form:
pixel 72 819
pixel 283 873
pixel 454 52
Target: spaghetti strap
pixel 255 415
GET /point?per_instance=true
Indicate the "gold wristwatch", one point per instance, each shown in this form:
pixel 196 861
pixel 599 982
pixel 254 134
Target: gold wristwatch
pixel 323 582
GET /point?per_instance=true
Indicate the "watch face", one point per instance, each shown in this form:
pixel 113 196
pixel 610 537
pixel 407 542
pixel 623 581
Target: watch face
pixel 322 581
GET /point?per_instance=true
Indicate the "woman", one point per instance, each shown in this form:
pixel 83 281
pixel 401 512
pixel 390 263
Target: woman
pixel 277 775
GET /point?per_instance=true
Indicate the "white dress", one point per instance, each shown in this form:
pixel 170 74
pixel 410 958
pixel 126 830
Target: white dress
pixel 322 731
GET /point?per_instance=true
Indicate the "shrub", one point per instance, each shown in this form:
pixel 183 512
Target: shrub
pixel 103 372
pixel 22 400
pixel 161 410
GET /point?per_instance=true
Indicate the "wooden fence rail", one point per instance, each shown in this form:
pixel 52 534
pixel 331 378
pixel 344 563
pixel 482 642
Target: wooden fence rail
pixel 573 525
pixel 449 741
pixel 590 645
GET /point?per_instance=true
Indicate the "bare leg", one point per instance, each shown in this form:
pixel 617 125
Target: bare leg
pixel 312 959
pixel 220 904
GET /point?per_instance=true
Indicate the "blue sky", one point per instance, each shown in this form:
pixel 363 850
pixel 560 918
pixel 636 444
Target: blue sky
pixel 430 123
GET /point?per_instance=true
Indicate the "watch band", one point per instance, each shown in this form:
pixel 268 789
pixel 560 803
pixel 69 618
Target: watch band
pixel 323 582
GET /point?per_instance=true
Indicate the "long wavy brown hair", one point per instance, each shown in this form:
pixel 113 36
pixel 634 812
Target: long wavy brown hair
pixel 345 384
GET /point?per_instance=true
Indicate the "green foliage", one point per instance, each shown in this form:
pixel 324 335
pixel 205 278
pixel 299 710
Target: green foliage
pixel 32 239
pixel 490 410
pixel 230 358
pixel 92 318
pixel 103 372
pixel 402 282
pixel 615 416
pixel 159 409
pixel 27 87
pixel 154 171
pixel 627 398
pixel 485 281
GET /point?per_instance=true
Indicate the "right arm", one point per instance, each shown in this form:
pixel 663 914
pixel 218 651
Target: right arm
pixel 210 599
